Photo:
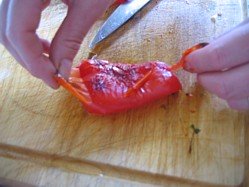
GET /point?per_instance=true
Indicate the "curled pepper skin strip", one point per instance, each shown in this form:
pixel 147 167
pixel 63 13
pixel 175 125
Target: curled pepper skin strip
pixel 179 65
pixel 139 83
pixel 72 90
pixel 107 88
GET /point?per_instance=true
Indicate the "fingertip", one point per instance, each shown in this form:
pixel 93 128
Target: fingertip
pixel 49 76
pixel 194 61
pixel 52 83
pixel 44 69
pixel 189 64
pixel 65 68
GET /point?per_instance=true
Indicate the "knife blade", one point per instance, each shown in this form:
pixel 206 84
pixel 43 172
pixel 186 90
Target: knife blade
pixel 120 16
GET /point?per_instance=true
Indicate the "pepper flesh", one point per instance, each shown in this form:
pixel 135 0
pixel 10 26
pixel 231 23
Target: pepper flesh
pixel 106 88
pixel 107 84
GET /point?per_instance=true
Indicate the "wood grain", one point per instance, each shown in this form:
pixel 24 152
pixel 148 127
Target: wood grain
pixel 18 171
pixel 149 145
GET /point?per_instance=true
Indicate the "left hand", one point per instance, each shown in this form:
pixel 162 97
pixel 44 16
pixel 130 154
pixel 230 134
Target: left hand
pixel 223 66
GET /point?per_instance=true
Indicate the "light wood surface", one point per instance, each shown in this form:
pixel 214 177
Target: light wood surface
pixel 46 137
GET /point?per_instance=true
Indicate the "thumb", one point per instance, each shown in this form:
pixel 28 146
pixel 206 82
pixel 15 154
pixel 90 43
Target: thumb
pixel 66 43
pixel 228 51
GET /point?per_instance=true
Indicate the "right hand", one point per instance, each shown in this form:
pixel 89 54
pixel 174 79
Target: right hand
pixel 19 20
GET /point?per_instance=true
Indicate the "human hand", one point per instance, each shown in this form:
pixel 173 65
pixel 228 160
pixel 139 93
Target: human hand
pixel 19 21
pixel 222 67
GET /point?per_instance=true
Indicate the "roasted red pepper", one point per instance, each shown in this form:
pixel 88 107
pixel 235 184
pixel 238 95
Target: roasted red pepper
pixel 106 88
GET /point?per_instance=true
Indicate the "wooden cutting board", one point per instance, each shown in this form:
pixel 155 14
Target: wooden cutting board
pixel 151 145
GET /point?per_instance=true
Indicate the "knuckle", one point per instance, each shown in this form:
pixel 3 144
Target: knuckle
pixel 72 44
pixel 218 57
pixel 66 47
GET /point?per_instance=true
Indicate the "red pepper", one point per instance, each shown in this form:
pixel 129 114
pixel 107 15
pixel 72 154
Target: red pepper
pixel 106 88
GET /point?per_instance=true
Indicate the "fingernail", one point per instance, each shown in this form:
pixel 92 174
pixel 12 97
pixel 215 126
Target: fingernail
pixel 65 68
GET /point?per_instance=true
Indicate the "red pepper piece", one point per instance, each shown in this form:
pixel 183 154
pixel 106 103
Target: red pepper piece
pixel 104 88
pixel 74 91
pixel 139 83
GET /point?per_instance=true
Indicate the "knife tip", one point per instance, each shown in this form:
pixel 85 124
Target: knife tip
pixel 98 38
pixel 91 45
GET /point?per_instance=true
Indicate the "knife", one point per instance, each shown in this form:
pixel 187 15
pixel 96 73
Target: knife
pixel 120 16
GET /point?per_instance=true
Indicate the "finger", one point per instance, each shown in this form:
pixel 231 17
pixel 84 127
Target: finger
pixel 228 51
pixel 21 35
pixel 3 38
pixel 81 15
pixel 15 55
pixel 3 18
pixel 243 23
pixel 239 104
pixel 231 84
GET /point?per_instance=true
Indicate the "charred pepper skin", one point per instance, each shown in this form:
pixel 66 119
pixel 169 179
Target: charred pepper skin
pixel 106 88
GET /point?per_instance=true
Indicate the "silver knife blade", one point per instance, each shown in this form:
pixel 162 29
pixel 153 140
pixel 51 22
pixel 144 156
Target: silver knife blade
pixel 120 16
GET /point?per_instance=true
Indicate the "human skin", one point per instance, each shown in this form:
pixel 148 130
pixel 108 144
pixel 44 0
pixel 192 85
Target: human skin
pixel 19 20
pixel 222 66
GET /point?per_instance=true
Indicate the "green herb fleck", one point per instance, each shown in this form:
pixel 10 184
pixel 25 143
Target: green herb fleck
pixel 195 131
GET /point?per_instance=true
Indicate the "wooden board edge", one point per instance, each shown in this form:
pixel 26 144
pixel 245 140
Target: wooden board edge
pixel 95 168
